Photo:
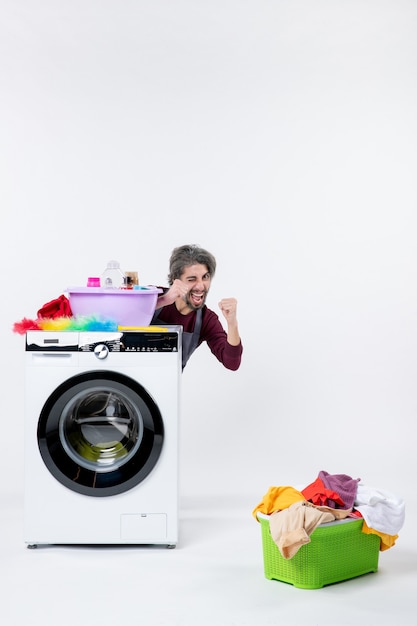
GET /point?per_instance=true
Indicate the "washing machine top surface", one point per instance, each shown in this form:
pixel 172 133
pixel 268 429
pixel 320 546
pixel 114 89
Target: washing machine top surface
pixel 166 339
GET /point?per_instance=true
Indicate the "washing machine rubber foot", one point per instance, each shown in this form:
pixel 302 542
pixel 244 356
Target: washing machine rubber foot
pixel 32 546
pixel 171 546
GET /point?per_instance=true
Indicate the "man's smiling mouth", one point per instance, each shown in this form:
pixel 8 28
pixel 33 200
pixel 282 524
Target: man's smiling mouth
pixel 197 297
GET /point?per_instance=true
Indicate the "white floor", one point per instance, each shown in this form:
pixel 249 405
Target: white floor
pixel 214 577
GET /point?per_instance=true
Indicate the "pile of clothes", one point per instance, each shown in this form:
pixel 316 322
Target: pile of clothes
pixel 295 513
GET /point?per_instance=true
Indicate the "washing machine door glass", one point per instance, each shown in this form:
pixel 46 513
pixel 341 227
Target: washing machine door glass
pixel 100 429
pixel 100 433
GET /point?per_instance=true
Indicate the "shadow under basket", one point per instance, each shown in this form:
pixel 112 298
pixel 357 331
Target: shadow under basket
pixel 337 551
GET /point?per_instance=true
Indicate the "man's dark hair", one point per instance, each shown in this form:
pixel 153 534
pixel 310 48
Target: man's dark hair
pixel 187 255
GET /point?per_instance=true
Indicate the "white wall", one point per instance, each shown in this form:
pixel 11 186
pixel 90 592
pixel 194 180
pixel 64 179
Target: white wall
pixel 279 134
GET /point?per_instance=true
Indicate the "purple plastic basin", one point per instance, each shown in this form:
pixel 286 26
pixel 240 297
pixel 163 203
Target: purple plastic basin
pixel 127 307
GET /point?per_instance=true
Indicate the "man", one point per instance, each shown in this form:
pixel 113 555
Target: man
pixel 191 269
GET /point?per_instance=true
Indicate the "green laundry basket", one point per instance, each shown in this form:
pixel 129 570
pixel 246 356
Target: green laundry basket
pixel 337 551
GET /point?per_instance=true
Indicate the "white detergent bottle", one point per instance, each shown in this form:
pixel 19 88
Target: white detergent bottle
pixel 112 277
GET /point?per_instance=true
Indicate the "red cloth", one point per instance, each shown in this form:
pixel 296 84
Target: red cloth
pixel 60 307
pixel 319 495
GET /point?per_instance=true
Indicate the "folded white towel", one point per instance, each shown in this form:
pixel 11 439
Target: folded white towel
pixel 381 510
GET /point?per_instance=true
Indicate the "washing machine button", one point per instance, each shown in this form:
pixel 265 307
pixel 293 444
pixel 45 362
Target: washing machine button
pixel 101 351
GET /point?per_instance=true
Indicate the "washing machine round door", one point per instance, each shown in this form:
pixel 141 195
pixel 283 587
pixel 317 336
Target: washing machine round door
pixel 100 433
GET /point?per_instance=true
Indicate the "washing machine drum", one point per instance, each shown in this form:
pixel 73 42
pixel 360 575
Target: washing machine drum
pixel 100 433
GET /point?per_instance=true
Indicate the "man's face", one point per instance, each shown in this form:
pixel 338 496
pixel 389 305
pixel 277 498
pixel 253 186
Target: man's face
pixel 198 280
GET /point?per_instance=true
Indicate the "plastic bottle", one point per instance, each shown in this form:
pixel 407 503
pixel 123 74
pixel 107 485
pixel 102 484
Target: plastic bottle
pixel 127 282
pixel 112 277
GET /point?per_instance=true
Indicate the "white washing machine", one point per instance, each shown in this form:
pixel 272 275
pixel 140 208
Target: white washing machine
pixel 101 437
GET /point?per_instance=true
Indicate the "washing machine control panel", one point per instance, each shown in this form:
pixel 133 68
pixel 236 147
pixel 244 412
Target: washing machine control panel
pixel 132 342
pixel 103 343
pixel 150 342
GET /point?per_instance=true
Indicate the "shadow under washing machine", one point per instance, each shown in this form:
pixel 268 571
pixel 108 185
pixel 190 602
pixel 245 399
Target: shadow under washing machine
pixel 101 437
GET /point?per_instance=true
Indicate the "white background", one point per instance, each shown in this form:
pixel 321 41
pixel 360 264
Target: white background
pixel 279 134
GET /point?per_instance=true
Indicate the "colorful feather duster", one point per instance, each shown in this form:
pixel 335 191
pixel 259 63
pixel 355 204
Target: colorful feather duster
pixel 90 323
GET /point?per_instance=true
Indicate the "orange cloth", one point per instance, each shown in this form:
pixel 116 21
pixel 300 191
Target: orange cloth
pixel 387 541
pixel 277 499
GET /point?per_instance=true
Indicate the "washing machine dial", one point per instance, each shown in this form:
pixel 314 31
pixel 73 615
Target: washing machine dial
pixel 101 351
